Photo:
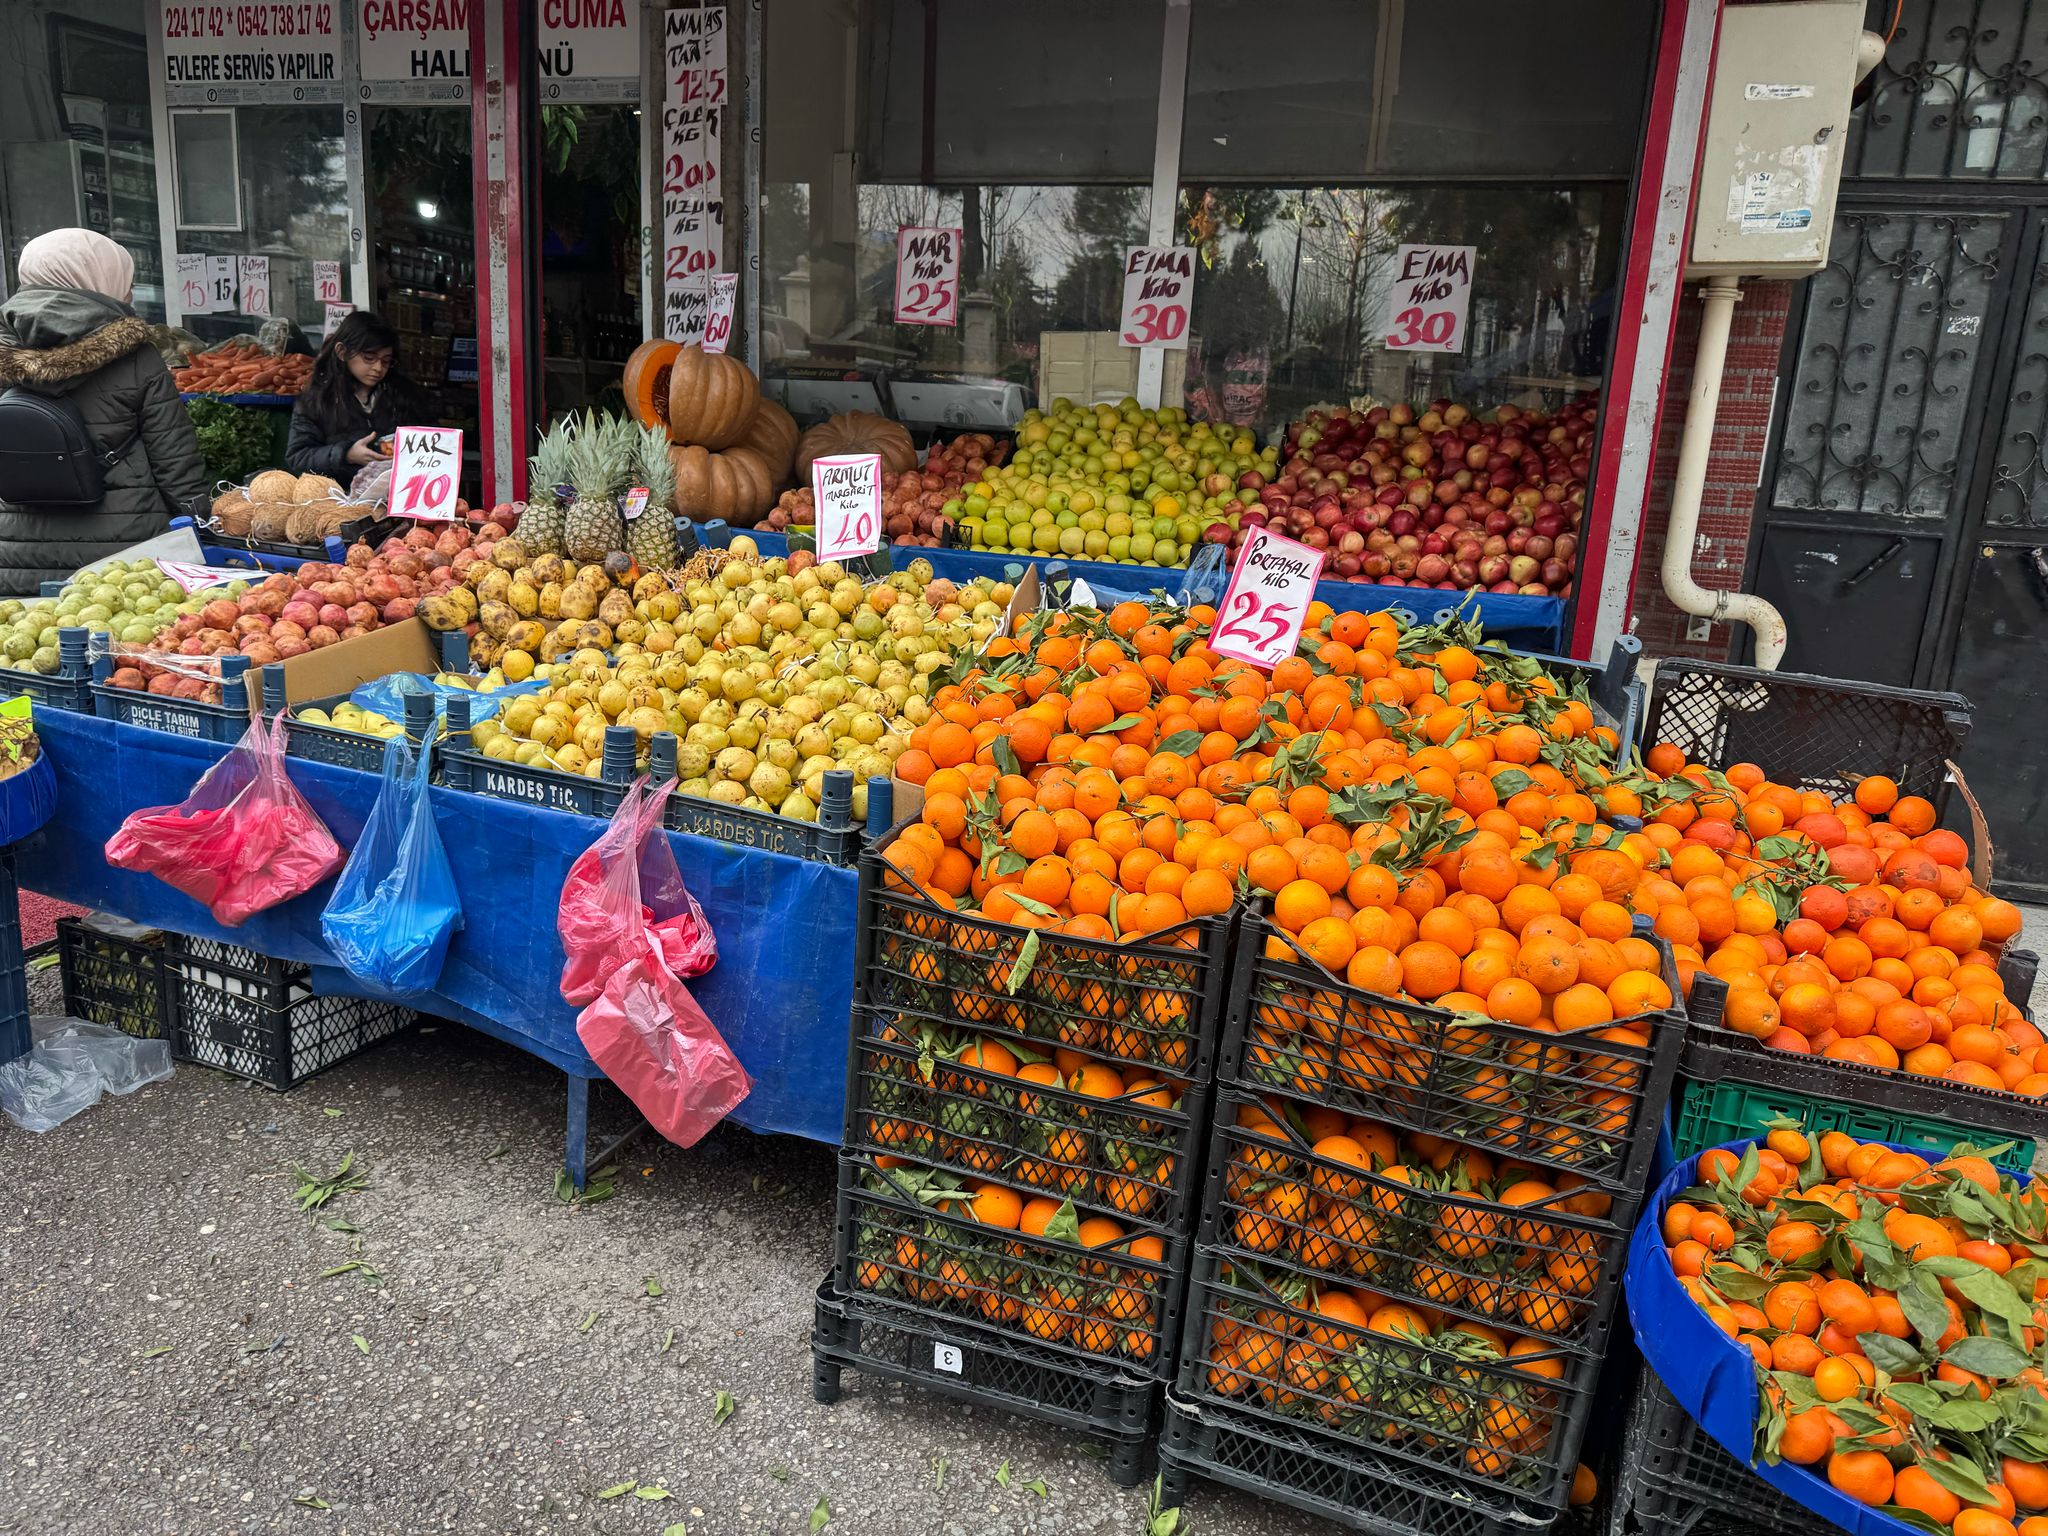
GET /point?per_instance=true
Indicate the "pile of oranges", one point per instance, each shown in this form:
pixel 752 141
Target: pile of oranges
pixel 1847 929
pixel 1895 1311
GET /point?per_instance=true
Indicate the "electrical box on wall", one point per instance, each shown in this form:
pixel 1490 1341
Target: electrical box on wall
pixel 1777 126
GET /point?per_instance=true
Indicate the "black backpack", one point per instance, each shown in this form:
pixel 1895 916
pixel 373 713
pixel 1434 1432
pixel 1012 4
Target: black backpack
pixel 47 458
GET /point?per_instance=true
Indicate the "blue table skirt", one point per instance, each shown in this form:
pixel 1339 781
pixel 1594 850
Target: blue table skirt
pixel 1534 623
pixel 781 992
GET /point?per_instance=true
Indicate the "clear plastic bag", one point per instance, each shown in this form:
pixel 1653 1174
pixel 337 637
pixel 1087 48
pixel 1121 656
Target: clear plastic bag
pixel 395 905
pixel 622 886
pixel 243 841
pixel 123 1062
pixel 43 1089
pixel 386 696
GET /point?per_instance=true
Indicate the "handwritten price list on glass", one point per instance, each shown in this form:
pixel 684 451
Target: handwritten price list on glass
pixel 425 471
pixel 1431 292
pixel 927 276
pixel 1259 620
pixel 1159 284
pixel 694 105
pixel 847 489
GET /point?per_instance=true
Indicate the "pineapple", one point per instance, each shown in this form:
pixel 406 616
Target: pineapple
pixel 651 537
pixel 592 527
pixel 540 525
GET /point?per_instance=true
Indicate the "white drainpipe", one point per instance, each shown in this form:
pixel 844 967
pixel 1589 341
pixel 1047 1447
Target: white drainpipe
pixel 1718 301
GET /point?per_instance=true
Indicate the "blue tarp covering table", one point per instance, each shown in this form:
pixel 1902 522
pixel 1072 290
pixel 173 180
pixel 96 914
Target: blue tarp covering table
pixel 781 992
pixel 1533 623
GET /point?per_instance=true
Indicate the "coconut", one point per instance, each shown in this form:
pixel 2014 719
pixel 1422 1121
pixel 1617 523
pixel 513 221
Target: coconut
pixel 315 488
pixel 267 519
pixel 231 511
pixel 274 485
pixel 303 526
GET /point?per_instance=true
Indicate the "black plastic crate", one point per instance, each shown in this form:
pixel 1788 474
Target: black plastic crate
pixel 1157 1002
pixel 109 979
pixel 1541 1267
pixel 69 687
pixel 980 1366
pixel 1113 1307
pixel 1574 1102
pixel 225 721
pixel 1334 1479
pixel 1675 1478
pixel 1818 733
pixel 464 766
pixel 834 838
pixel 257 1017
pixel 1617 695
pixel 1480 1410
pixel 1714 1054
pixel 1132 1156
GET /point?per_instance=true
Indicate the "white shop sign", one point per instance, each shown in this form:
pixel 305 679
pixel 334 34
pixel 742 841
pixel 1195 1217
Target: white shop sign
pixel 418 50
pixel 278 52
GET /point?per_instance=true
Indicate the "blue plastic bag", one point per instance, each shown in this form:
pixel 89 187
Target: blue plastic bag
pixel 386 695
pixel 395 904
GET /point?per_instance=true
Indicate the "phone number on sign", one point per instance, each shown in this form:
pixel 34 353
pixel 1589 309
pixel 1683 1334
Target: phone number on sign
pixel 219 21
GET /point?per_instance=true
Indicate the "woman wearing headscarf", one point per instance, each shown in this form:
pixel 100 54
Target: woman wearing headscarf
pixel 69 331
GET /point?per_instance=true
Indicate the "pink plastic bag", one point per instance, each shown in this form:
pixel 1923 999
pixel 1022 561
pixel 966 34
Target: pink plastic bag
pixel 244 840
pixel 621 890
pixel 663 1051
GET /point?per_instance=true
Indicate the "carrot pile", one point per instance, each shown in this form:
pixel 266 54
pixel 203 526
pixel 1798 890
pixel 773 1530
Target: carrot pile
pixel 243 369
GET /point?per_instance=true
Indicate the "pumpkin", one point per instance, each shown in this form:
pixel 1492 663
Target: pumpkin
pixel 773 437
pixel 735 485
pixel 647 380
pixel 711 398
pixel 857 432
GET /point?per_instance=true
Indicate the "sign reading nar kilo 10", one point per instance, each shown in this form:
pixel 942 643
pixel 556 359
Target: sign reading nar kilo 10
pixel 1159 285
pixel 258 51
pixel 1431 291
pixel 425 472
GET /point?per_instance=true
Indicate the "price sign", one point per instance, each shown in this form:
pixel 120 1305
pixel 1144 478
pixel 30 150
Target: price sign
pixel 847 489
pixel 191 283
pixel 1260 617
pixel 927 276
pixel 1428 298
pixel 425 471
pixel 326 282
pixel 725 293
pixel 194 578
pixel 1159 285
pixel 253 273
pixel 333 315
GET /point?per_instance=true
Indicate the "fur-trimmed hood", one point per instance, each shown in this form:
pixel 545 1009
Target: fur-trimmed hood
pixel 51 338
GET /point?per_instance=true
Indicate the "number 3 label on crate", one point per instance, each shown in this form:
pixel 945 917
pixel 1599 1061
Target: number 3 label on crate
pixel 425 472
pixel 1260 617
pixel 847 489
pixel 1159 284
pixel 947 1358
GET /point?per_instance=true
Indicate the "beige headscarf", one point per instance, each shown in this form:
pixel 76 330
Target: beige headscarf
pixel 78 258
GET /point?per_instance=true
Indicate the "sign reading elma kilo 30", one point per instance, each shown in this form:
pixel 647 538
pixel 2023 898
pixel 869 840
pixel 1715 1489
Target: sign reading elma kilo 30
pixel 255 51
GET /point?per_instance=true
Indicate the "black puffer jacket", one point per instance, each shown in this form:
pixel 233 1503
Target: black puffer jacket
pixel 317 447
pixel 66 341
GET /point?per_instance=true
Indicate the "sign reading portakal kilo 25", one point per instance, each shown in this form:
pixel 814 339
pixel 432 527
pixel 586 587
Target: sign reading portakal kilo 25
pixel 225 54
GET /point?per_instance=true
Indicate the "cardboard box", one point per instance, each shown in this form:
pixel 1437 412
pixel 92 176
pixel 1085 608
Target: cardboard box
pixel 346 666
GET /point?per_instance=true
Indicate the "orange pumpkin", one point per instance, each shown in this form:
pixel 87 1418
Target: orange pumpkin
pixel 711 398
pixel 735 485
pixel 773 436
pixel 857 432
pixel 647 381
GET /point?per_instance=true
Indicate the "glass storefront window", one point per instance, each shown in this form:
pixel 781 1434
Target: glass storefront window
pixel 590 196
pixel 423 252
pixel 76 145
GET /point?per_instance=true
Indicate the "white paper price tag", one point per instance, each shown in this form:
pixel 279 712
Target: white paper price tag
pixel 847 489
pixel 326 282
pixel 1159 285
pixel 189 283
pixel 927 276
pixel 425 472
pixel 253 273
pixel 1428 298
pixel 194 578
pixel 334 314
pixel 725 292
pixel 1260 618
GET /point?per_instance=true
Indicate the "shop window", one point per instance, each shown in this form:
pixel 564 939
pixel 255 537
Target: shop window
pixel 1293 287
pixel 590 193
pixel 423 252
pixel 76 147
pixel 1962 92
pixel 206 170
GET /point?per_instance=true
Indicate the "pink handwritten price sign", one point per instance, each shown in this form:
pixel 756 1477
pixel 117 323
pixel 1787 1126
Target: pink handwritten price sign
pixel 1260 618
pixel 847 489
pixel 197 578
pixel 1159 285
pixel 927 276
pixel 326 282
pixel 725 292
pixel 425 472
pixel 1429 297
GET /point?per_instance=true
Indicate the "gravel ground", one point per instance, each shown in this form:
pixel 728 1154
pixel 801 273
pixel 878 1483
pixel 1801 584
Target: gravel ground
pixel 173 1361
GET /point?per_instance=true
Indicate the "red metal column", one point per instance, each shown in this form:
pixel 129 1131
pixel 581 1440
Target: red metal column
pixel 1659 234
pixel 501 78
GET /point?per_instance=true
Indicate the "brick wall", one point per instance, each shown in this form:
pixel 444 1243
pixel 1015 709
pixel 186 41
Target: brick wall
pixel 1741 429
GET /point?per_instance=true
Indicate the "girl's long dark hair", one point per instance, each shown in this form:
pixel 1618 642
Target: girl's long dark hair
pixel 326 395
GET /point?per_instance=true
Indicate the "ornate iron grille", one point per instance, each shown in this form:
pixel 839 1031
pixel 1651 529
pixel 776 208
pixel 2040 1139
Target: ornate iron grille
pixel 2018 493
pixel 1962 93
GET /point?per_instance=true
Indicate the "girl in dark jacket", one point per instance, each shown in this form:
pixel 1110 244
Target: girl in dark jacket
pixel 355 400
pixel 69 331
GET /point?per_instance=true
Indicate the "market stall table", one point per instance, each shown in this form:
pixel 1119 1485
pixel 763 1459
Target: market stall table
pixel 781 991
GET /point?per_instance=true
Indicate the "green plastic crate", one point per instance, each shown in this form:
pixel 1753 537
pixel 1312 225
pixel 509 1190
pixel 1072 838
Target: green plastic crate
pixel 1706 1114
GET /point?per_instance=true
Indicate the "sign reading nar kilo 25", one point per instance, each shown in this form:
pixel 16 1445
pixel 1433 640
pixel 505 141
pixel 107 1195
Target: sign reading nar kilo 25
pixel 927 276
pixel 272 52
pixel 1431 291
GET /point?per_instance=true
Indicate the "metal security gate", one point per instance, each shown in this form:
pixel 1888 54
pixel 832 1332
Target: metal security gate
pixel 1902 515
